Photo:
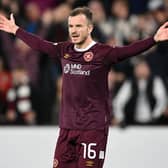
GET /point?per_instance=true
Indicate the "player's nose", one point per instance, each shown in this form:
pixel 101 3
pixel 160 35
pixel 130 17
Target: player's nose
pixel 73 30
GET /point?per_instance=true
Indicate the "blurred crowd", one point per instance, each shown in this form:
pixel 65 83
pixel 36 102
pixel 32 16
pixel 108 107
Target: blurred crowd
pixel 30 83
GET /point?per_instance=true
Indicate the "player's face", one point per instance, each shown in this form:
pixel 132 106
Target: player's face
pixel 79 28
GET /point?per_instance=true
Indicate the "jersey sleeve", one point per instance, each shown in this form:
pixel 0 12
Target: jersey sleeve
pixel 37 43
pixel 118 54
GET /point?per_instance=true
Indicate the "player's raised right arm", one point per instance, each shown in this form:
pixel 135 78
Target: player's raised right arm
pixel 36 43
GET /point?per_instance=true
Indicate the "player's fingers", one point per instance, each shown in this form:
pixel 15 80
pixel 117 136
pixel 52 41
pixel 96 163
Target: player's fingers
pixel 2 28
pixel 2 25
pixel 1 22
pixel 165 25
pixel 12 17
pixel 3 18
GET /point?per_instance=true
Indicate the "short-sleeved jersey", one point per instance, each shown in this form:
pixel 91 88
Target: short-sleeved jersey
pixel 84 103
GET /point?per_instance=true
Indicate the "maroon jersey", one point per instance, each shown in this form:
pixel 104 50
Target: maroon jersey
pixel 84 102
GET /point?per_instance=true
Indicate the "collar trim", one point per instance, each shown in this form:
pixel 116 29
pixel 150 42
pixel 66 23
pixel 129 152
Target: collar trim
pixel 85 49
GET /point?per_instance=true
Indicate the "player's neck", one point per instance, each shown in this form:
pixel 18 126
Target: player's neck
pixel 84 45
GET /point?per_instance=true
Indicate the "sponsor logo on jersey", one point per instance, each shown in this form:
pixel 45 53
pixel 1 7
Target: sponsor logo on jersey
pixel 67 68
pixel 88 56
pixel 75 69
pixel 66 56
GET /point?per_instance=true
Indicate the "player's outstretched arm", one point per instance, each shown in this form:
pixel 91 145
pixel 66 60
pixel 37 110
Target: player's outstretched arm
pixel 8 25
pixel 142 45
pixel 35 42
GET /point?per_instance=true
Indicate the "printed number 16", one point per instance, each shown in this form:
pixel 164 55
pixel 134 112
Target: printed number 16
pixel 88 152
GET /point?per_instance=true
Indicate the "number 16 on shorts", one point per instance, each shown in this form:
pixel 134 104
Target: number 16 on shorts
pixel 89 151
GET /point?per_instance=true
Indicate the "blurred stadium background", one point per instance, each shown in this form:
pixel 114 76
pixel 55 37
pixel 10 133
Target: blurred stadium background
pixel 138 136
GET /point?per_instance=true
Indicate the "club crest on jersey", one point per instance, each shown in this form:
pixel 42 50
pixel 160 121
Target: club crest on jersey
pixel 88 56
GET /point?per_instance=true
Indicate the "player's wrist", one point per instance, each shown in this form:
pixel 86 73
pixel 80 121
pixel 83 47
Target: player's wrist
pixel 156 38
pixel 14 29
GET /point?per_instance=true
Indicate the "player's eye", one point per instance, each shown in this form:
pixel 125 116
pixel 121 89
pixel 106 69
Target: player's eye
pixel 78 25
pixel 70 26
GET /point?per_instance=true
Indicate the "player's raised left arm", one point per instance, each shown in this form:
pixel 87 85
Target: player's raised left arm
pixel 142 45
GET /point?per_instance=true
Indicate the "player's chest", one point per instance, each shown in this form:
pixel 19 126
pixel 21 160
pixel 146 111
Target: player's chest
pixel 81 63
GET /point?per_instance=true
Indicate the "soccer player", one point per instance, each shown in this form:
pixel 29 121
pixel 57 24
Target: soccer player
pixel 85 114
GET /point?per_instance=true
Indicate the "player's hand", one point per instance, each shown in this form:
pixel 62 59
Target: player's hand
pixel 8 25
pixel 162 33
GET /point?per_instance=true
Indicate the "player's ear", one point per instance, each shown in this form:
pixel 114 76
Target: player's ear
pixel 90 28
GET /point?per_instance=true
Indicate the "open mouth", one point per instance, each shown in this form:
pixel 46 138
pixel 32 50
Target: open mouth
pixel 75 36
